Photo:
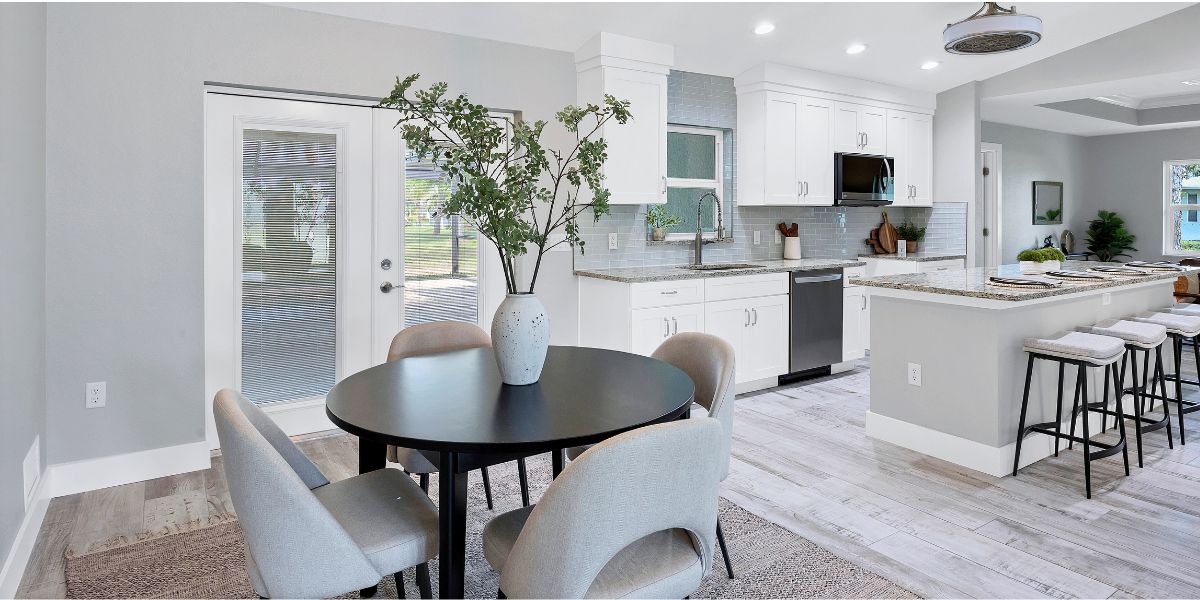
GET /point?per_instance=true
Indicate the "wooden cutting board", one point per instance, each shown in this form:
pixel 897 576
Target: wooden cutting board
pixel 887 235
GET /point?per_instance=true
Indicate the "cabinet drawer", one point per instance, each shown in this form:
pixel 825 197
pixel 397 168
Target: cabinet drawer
pixel 666 293
pixel 745 286
pixel 939 265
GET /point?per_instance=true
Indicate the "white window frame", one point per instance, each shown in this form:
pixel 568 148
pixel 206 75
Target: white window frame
pixel 1170 208
pixel 717 184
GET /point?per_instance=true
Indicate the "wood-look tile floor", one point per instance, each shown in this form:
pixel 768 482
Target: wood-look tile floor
pixel 801 459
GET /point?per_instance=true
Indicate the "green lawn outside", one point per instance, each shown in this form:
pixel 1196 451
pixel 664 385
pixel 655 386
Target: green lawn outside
pixel 427 255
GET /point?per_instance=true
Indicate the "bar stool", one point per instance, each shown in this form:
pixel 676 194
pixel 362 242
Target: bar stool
pixel 1138 337
pixel 1082 350
pixel 1180 326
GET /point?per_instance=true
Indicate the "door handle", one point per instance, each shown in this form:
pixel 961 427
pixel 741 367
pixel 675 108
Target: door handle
pixel 755 311
pixel 866 139
pixel 675 325
pixel 386 287
pixel 864 302
pixel 664 184
pixel 818 278
pixel 799 188
pixel 747 323
pixel 666 324
pixel 805 188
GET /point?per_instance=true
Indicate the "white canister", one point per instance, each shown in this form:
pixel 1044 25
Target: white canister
pixel 791 248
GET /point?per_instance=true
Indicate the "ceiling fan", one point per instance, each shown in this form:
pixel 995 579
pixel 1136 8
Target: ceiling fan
pixel 992 30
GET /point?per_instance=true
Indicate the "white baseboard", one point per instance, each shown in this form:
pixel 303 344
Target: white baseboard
pixel 753 386
pixel 300 417
pixel 22 546
pixel 961 451
pixel 96 473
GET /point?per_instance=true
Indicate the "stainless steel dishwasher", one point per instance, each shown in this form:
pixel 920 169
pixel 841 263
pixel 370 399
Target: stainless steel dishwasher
pixel 816 311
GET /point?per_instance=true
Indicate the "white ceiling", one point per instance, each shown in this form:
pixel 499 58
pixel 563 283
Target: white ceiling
pixel 717 37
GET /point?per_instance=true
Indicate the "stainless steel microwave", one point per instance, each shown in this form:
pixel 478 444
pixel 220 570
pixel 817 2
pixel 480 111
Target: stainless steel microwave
pixel 863 179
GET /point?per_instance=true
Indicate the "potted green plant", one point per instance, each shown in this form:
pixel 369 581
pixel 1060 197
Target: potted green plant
pixel 1107 237
pixel 1040 260
pixel 658 218
pixel 514 191
pixel 911 234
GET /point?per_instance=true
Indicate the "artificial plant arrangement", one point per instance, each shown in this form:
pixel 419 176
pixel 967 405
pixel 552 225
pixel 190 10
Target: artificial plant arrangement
pixel 1107 237
pixel 658 218
pixel 510 187
pixel 1040 260
pixel 911 234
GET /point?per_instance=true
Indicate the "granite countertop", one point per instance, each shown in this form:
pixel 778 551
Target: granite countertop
pixel 674 272
pixel 973 282
pixel 915 256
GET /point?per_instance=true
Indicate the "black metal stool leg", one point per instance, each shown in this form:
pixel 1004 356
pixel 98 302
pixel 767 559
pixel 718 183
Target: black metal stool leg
pixel 1162 377
pixel 487 487
pixel 1058 406
pixel 423 585
pixel 1081 382
pixel 1024 409
pixel 399 576
pixel 1104 399
pixel 724 550
pixel 1137 400
pixel 1074 412
pixel 1146 383
pixel 1120 416
pixel 1178 351
pixel 423 478
pixel 523 475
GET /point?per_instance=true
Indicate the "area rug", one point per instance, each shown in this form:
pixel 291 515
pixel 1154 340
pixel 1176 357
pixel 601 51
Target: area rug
pixel 209 561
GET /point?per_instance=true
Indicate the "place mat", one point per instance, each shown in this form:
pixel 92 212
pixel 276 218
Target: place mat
pixel 1156 266
pixel 1120 271
pixel 1076 276
pixel 1023 283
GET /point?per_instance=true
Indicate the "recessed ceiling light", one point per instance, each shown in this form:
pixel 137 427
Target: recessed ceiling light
pixel 1190 82
pixel 764 28
pixel 856 49
pixel 930 64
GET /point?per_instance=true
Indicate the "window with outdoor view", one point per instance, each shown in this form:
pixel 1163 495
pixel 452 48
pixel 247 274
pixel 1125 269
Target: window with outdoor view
pixel 1182 215
pixel 694 168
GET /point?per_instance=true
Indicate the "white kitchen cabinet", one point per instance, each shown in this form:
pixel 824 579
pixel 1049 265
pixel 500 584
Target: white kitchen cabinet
pixel 785 149
pixel 757 328
pixel 652 326
pixel 855 324
pixel 782 184
pixel 816 152
pixel 910 143
pixel 860 129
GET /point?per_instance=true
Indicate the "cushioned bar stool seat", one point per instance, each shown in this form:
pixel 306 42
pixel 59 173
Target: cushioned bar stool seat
pixel 1144 337
pixel 1183 325
pixel 1084 350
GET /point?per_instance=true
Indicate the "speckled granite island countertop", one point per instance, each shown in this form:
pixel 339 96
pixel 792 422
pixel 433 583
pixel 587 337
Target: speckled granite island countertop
pixel 675 272
pixel 973 283
pixel 916 256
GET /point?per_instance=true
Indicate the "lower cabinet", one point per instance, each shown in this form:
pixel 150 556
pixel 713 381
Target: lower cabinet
pixel 757 328
pixel 651 326
pixel 856 327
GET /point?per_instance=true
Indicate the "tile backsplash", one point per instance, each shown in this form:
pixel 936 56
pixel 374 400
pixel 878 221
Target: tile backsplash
pixel 825 232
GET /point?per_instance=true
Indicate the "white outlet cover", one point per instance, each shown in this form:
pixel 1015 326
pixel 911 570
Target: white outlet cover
pixel 778 237
pixel 1105 298
pixel 757 238
pixel 95 394
pixel 31 469
pixel 612 241
pixel 914 374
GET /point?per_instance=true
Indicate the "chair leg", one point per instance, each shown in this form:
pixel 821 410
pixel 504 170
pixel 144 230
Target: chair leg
pixel 1137 399
pixel 423 585
pixel 500 594
pixel 1162 377
pixel 1087 444
pixel 423 478
pixel 523 475
pixel 1058 406
pixel 1104 405
pixel 399 577
pixel 487 487
pixel 1178 351
pixel 368 592
pixel 724 550
pixel 1021 423
pixel 1074 413
pixel 1120 416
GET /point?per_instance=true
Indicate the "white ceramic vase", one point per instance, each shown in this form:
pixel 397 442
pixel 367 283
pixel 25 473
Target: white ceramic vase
pixel 520 336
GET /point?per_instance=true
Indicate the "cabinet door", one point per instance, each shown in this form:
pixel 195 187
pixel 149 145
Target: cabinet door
pixel 686 317
pixel 816 152
pixel 765 343
pixel 920 152
pixel 650 327
pixel 846 134
pixel 873 123
pixel 853 305
pixel 897 148
pixel 782 177
pixel 728 320
pixel 636 169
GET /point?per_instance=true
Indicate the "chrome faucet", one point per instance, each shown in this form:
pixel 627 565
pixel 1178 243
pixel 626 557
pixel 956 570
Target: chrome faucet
pixel 700 241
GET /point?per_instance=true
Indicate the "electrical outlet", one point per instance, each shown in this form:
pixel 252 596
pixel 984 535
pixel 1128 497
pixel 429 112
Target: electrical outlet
pixel 95 395
pixel 914 374
pixel 1105 299
pixel 612 241
pixel 778 237
pixel 757 237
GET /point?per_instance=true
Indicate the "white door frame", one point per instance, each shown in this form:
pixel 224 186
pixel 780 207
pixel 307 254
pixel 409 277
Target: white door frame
pixel 225 118
pixel 993 186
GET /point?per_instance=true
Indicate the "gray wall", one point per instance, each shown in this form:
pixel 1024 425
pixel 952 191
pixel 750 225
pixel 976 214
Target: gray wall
pixel 956 161
pixel 1125 174
pixel 22 251
pixel 1035 155
pixel 124 166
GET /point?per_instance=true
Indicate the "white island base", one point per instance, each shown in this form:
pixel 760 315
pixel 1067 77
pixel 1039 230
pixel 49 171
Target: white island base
pixel 968 349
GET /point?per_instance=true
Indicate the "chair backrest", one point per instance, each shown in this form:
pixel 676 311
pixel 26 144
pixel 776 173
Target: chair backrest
pixel 641 482
pixel 441 336
pixel 299 549
pixel 709 361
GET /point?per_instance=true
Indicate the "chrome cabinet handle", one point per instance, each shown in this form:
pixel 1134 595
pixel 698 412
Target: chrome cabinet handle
pixel 805 188
pixel 864 302
pixel 666 324
pixel 747 323
pixel 755 311
pixel 675 325
pixel 866 139
pixel 668 293
pixel 799 188
pixel 664 184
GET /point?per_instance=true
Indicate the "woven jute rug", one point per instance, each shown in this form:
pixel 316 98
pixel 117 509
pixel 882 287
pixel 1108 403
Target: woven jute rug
pixel 209 561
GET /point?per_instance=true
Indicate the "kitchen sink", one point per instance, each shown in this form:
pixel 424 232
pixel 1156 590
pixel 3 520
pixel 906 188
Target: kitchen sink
pixel 721 267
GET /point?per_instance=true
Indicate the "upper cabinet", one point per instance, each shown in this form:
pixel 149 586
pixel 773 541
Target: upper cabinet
pixel 634 70
pixel 792 121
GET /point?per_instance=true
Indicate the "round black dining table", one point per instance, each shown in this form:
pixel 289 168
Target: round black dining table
pixel 453 407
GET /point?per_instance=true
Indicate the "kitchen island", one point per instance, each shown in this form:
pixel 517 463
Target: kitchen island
pixel 947 366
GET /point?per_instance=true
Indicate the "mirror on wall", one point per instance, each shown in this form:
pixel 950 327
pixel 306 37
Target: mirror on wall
pixel 1047 203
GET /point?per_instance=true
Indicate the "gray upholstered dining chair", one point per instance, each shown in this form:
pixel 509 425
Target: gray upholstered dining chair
pixel 709 361
pixel 430 338
pixel 307 537
pixel 632 517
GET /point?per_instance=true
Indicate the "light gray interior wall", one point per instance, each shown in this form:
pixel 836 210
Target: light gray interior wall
pixel 22 251
pixel 1125 173
pixel 124 165
pixel 1036 155
pixel 956 161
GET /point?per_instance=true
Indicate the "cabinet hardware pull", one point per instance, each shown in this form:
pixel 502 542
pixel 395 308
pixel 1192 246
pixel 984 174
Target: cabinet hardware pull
pixel 866 139
pixel 675 326
pixel 755 311
pixel 864 302
pixel 664 185
pixel 668 326
pixel 805 188
pixel 747 323
pixel 799 188
pixel 668 293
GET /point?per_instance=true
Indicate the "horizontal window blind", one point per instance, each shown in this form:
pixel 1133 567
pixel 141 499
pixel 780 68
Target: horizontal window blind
pixel 289 275
pixel 441 252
